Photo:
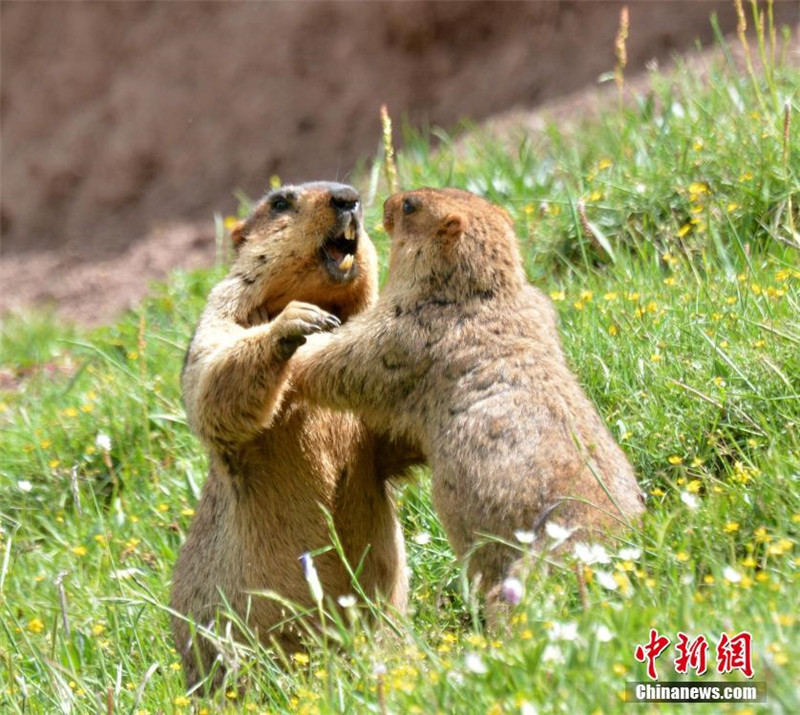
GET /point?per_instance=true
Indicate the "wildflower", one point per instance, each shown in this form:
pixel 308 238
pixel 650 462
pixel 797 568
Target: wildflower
pixel 655 357
pixel 630 553
pixel 603 634
pixel 474 664
pixel 70 412
pixel 675 459
pixel 103 442
pixel 731 575
pixel 187 511
pixel 347 600
pixel 669 281
pixel 682 556
pixel 708 579
pixel 563 631
pixel 683 230
pixel 690 500
pixel 24 485
pixel 693 486
pixel 163 507
pixel 511 590
pixel 35 625
pixel 181 701
pixel 230 222
pixel 98 629
pixel 612 295
pixel 606 580
pixel 730 527
pixel 79 550
pixel 552 654
pixel 422 538
pixel 732 206
pixel 612 330
pixel 300 658
pixel 557 533
pixel 311 576
pixel 557 295
pixel 524 537
pixel 591 554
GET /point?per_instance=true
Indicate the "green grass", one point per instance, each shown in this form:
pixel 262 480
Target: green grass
pixel 680 318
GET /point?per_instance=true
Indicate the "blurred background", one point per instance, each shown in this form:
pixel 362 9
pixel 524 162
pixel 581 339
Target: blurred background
pixel 126 126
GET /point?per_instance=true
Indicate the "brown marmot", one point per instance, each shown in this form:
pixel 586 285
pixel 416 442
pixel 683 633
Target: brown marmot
pixel 462 357
pixel 302 264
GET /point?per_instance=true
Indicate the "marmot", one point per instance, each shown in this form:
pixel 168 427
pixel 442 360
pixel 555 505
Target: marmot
pixel 462 357
pixel 303 263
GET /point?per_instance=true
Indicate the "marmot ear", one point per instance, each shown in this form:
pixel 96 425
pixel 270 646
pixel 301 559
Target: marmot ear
pixel 237 234
pixel 452 227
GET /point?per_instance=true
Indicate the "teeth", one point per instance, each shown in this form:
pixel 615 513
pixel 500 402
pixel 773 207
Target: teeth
pixel 350 231
pixel 346 263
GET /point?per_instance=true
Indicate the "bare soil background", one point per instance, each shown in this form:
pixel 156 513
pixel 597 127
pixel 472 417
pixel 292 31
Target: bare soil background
pixel 125 126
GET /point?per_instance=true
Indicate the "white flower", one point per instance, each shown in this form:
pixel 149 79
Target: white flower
pixel 474 663
pixel 559 534
pixel 552 654
pixel 24 485
pixel 690 500
pixel 347 601
pixel 524 537
pixel 606 580
pixel 603 634
pixel 511 590
pixel 310 573
pixel 526 708
pixel 563 631
pixel 591 553
pixel 422 538
pixel 379 669
pixel 629 553
pixel 102 442
pixel 732 575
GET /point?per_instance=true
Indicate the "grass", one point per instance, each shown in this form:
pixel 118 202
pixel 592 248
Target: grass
pixel 678 290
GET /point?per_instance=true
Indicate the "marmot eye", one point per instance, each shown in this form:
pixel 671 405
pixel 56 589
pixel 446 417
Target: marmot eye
pixel 280 203
pixel 409 206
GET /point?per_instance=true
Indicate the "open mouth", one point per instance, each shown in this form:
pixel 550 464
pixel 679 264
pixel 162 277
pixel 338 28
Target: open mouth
pixel 339 252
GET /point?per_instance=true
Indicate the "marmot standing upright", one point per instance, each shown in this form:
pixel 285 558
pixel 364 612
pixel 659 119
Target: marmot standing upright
pixel 303 263
pixel 462 357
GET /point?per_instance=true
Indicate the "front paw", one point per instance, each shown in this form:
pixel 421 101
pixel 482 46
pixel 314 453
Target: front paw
pixel 298 320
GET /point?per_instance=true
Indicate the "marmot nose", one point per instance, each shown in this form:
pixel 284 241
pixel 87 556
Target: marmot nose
pixel 344 198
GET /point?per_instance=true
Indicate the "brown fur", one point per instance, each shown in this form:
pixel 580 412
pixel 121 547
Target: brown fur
pixel 463 358
pixel 276 459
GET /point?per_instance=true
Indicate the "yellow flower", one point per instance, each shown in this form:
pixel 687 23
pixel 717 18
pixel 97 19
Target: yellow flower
pixel 657 492
pixel 181 701
pixel 683 230
pixel 655 357
pixel 587 295
pixel 557 295
pixel 163 507
pixel 188 511
pixel 669 281
pixel 101 539
pixel 53 463
pixel 70 412
pixel 300 658
pixel 746 176
pixel 526 635
pixel 87 407
pixel 761 534
pixel 98 629
pixel 578 305
pixel 749 562
pixel 612 330
pixel 611 295
pixel 693 486
pixel 35 625
pixel 675 459
pixel 79 550
pixel 708 579
pixel 604 163
pixel 619 669
pixel 730 527
pixel 230 223
pixel 231 695
pixel 175 666
pixel 732 206
pixel 681 556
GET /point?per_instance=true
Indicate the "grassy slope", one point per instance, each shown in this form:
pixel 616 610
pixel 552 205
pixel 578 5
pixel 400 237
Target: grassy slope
pixel 688 342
